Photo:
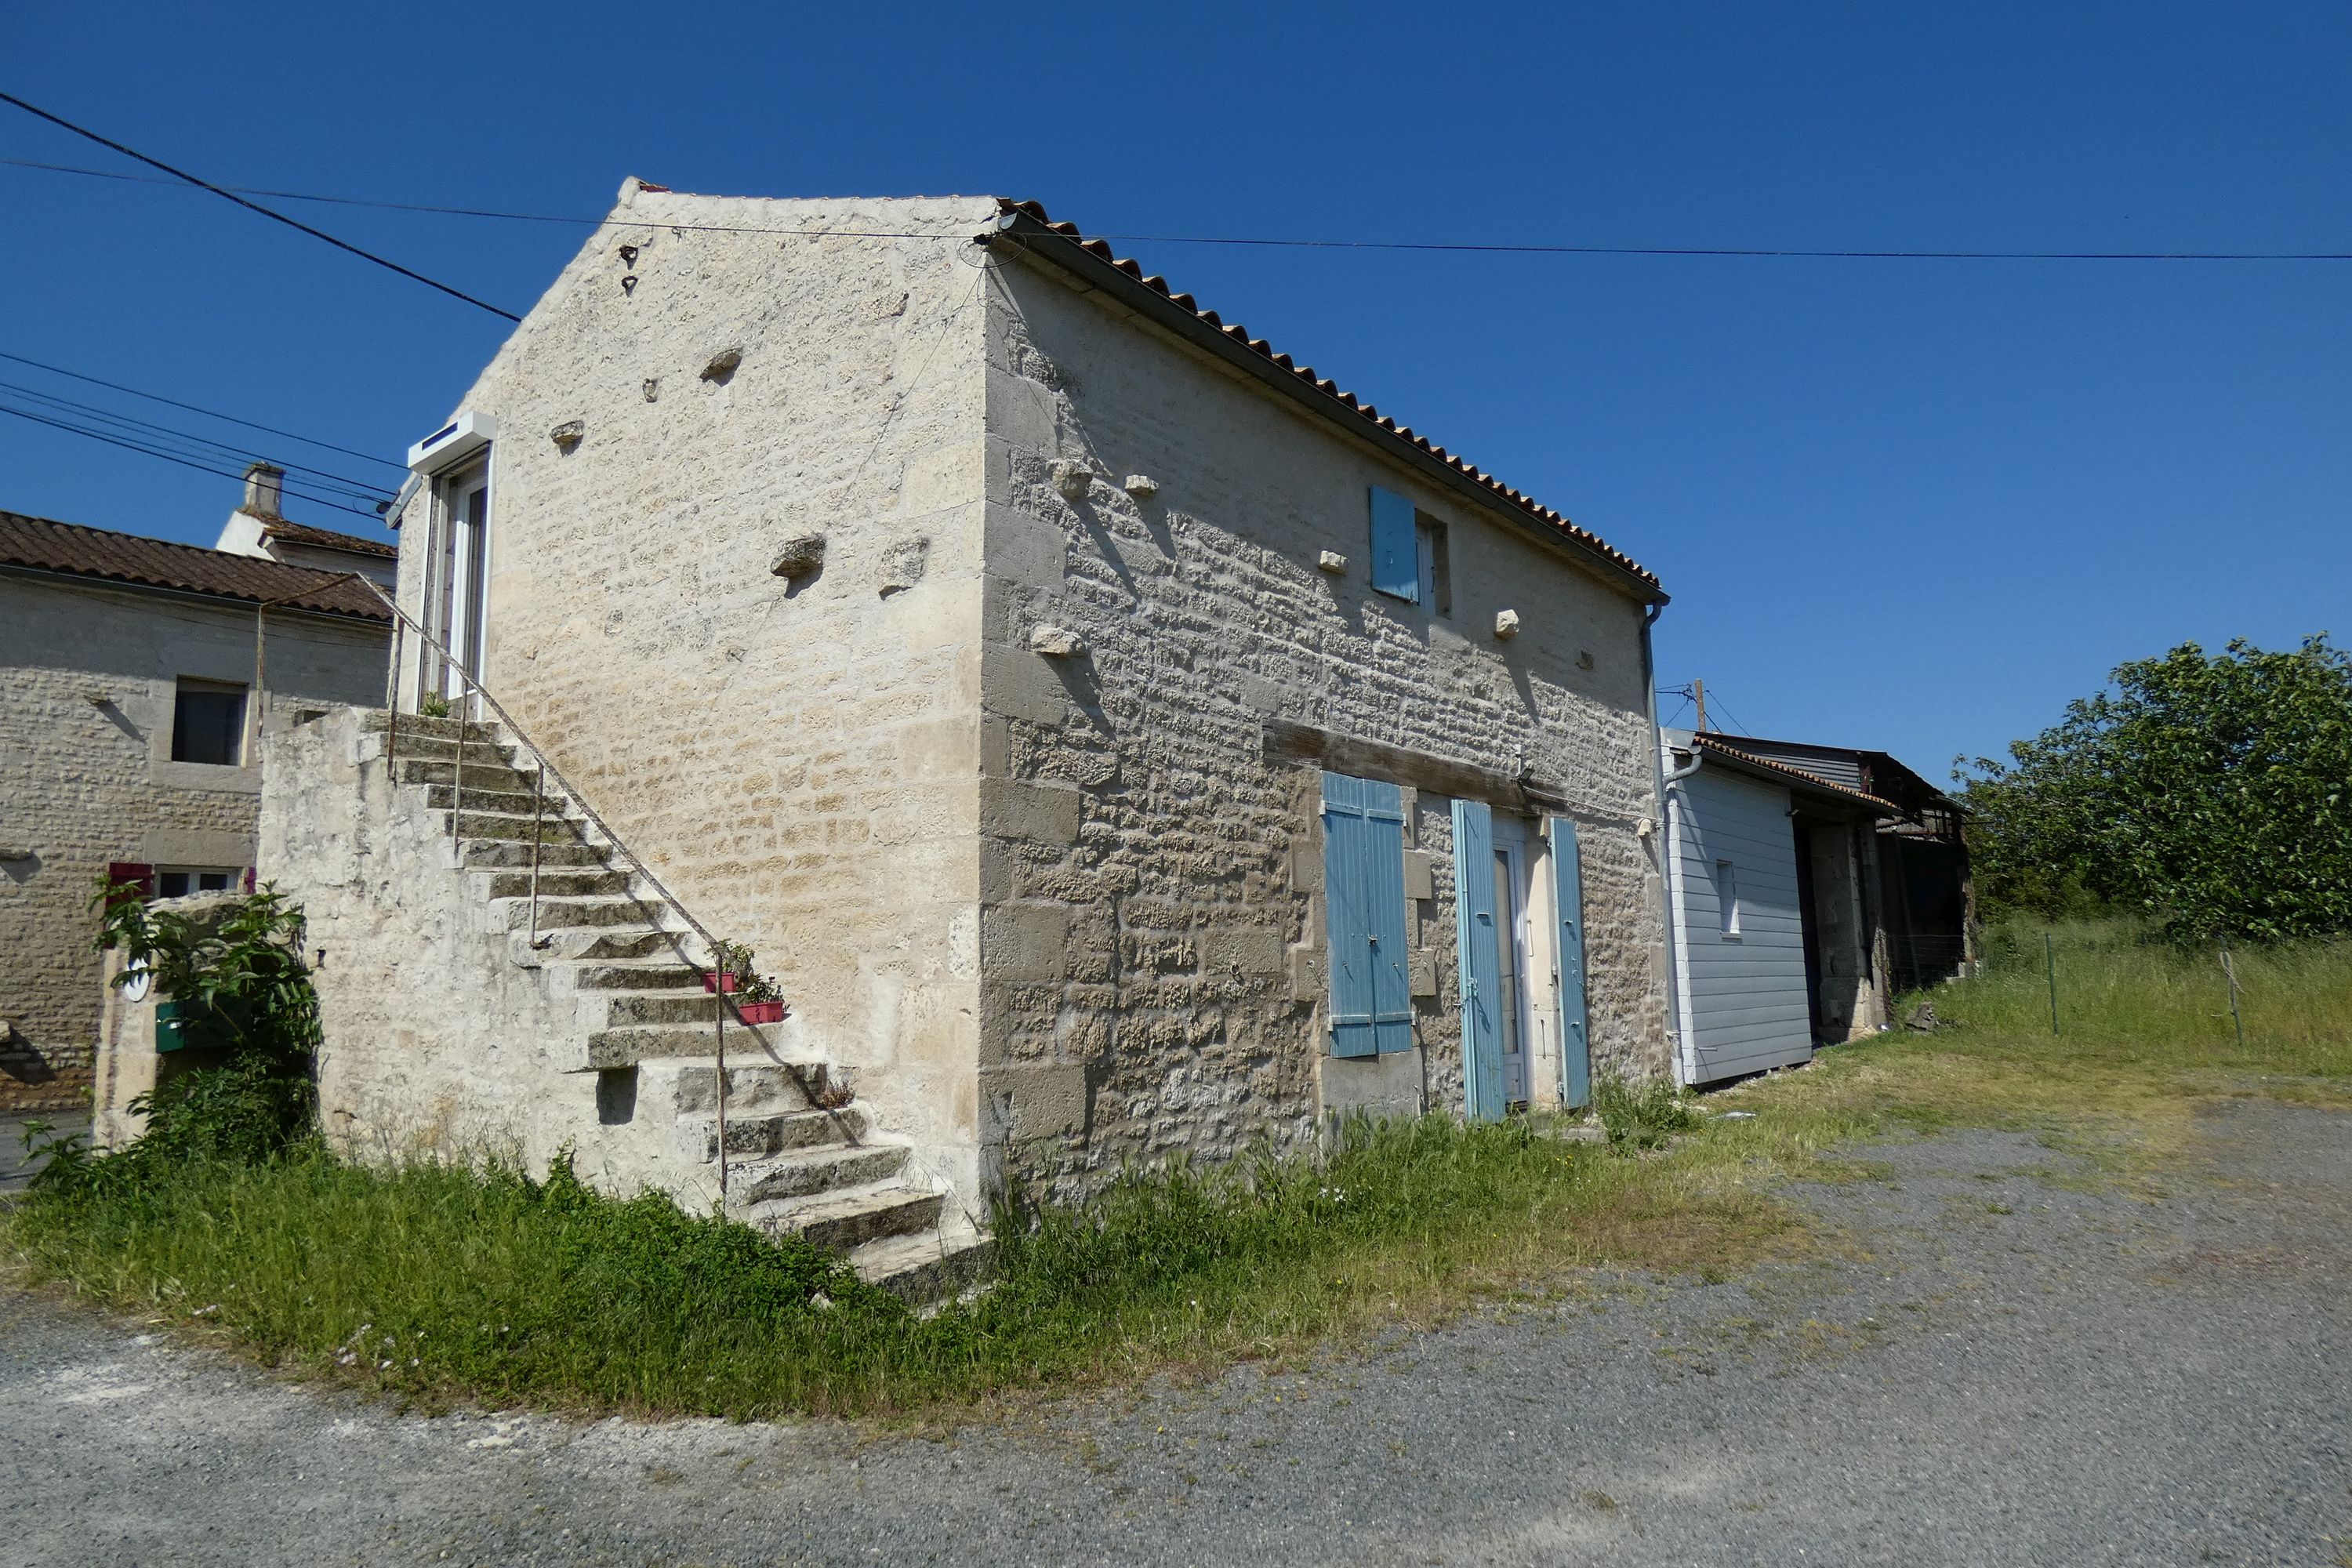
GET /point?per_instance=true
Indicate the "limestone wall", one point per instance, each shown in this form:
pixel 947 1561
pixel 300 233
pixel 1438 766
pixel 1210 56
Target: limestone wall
pixel 86 782
pixel 436 1041
pixel 1150 945
pixel 798 759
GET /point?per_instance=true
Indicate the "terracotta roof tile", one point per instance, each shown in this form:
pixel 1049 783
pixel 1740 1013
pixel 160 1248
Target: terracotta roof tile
pixel 1102 251
pixel 327 539
pixel 1722 747
pixel 43 544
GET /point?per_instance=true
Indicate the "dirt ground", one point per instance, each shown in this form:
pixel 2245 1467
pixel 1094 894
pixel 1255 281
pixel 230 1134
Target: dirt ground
pixel 1995 1360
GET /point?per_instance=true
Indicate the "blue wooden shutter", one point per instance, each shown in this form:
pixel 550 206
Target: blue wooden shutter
pixel 1363 897
pixel 1567 906
pixel 1480 960
pixel 1396 548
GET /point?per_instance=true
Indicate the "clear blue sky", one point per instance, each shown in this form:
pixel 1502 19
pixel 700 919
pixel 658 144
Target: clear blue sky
pixel 1908 504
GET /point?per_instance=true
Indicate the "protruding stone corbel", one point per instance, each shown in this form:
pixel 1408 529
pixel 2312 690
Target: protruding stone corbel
pixel 799 557
pixel 1057 642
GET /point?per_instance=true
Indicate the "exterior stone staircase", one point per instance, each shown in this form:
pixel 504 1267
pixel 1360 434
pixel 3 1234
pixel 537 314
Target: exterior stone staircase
pixel 801 1158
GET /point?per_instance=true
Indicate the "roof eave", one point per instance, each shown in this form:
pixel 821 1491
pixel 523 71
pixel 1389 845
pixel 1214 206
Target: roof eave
pixel 1024 236
pixel 213 596
pixel 1796 778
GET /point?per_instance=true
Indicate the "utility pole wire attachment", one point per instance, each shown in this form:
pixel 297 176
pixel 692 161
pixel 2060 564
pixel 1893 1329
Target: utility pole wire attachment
pixel 227 194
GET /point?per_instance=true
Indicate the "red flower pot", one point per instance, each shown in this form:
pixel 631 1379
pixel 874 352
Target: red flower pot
pixel 717 980
pixel 762 1012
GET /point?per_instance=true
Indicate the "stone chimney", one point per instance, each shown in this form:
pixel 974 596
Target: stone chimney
pixel 265 491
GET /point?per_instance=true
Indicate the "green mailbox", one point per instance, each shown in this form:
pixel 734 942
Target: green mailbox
pixel 193 1026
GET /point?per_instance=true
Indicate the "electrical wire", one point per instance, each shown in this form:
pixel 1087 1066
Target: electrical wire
pixel 184 462
pixel 207 412
pixel 229 194
pixel 1275 242
pixel 146 429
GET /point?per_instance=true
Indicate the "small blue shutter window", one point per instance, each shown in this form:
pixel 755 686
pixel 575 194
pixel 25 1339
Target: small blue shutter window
pixel 1396 548
pixel 1363 897
pixel 1480 960
pixel 1567 904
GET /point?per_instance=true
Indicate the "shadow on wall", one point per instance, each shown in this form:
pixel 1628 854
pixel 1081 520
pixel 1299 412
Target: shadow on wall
pixel 20 1062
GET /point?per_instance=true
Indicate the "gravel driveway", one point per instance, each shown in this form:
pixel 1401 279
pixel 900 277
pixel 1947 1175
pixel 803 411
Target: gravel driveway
pixel 1987 1368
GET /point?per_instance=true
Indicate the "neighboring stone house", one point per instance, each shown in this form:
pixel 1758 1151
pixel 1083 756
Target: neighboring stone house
pixel 128 741
pixel 1087 714
pixel 1803 901
pixel 260 528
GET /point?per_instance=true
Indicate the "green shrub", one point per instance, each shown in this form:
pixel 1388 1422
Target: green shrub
pixel 1644 1115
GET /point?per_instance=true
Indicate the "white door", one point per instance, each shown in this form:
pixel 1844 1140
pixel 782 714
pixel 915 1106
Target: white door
pixel 465 571
pixel 1511 865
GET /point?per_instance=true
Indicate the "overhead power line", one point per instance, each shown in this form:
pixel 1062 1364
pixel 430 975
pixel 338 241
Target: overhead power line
pixel 228 195
pixel 154 450
pixel 198 446
pixel 207 412
pixel 1278 242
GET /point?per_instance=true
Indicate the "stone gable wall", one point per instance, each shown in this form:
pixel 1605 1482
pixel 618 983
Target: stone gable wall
pixel 796 759
pixel 85 783
pixel 1153 932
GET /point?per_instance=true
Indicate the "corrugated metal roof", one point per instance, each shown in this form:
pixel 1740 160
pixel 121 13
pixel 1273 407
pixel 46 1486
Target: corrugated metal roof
pixel 43 545
pixel 1343 404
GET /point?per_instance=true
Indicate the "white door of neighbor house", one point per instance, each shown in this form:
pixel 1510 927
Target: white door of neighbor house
pixel 464 567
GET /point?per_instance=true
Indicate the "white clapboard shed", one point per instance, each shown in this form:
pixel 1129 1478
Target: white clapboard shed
pixel 1774 928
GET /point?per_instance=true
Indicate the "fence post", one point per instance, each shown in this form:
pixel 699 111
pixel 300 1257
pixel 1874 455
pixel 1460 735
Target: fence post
pixel 2230 970
pixel 2049 958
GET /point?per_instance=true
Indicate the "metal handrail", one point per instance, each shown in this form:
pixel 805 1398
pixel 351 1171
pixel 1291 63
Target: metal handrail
pixel 547 770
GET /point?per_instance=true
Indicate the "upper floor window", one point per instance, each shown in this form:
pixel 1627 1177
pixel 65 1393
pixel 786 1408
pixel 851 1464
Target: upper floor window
pixel 1727 896
pixel 208 723
pixel 1409 553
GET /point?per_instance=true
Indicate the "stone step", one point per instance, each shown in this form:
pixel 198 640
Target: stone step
pixel 486 775
pixel 672 976
pixel 560 882
pixel 516 803
pixel 753 1090
pixel 589 946
pixel 496 854
pixel 507 826
pixel 839 1224
pixel 565 913
pixel 432 747
pixel 425 725
pixel 672 1007
pixel 649 1042
pixel 925 1267
pixel 805 1172
pixel 760 1137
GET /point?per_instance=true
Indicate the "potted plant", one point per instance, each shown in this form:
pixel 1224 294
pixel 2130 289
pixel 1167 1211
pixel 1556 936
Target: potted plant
pixel 757 997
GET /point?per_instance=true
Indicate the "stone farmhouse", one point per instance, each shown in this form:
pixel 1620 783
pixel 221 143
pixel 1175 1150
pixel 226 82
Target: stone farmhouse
pixel 139 680
pixel 1116 740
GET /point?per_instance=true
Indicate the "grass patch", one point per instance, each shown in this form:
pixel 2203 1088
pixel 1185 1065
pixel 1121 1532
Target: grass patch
pixel 441 1284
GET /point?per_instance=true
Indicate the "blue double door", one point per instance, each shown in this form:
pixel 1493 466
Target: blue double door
pixel 1501 960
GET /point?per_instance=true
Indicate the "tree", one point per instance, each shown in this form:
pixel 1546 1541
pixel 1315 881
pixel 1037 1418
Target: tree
pixel 2209 791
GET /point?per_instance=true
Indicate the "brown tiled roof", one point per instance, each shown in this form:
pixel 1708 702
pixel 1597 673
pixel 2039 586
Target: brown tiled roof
pixel 1723 748
pixel 1343 404
pixel 327 539
pixel 41 544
